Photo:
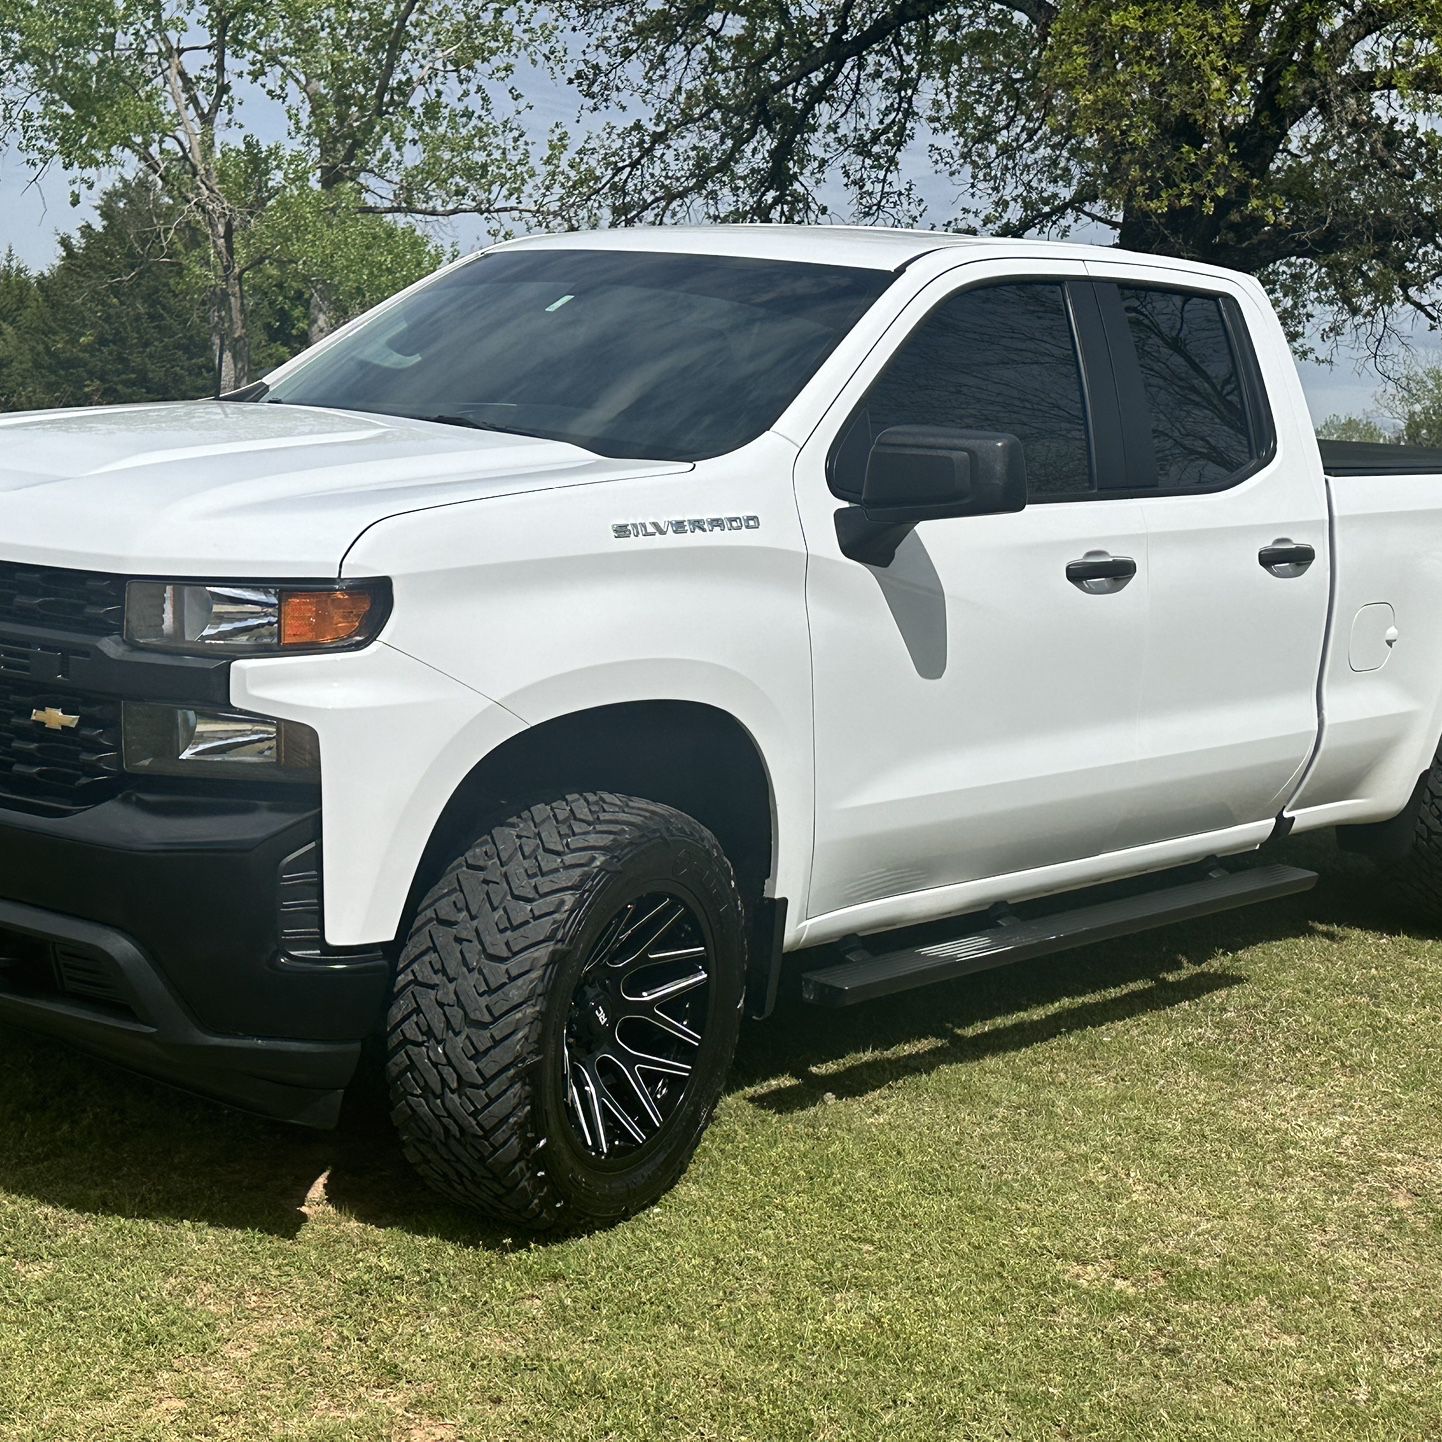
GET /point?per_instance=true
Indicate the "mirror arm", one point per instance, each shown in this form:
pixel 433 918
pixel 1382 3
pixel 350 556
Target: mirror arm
pixel 873 543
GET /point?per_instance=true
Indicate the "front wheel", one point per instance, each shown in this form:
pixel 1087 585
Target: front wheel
pixel 565 1011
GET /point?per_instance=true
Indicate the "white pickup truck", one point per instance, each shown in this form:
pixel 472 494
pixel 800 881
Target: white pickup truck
pixel 520 673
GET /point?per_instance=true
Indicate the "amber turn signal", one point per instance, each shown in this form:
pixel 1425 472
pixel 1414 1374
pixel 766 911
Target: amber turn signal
pixel 322 618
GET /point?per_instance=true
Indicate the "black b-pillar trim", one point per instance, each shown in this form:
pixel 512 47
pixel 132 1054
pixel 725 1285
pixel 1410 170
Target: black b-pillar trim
pixel 1108 450
pixel 1140 472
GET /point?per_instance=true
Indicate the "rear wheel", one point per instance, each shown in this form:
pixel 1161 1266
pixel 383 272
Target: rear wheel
pixel 565 1010
pixel 1416 876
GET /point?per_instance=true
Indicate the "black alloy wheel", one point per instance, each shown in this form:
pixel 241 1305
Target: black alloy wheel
pixel 635 1025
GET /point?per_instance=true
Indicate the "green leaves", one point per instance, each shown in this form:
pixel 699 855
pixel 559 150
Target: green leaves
pixel 1354 428
pixel 408 101
pixel 323 244
pixel 394 108
pixel 116 319
pixel 1416 397
pixel 1297 139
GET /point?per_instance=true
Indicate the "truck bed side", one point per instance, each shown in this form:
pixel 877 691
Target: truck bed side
pixel 1381 684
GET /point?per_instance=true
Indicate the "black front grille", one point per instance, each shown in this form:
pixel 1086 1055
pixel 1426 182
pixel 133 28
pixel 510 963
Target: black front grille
pixel 66 760
pixel 69 758
pixel 24 658
pixel 89 602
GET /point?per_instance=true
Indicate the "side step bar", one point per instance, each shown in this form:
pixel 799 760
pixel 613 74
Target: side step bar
pixel 866 975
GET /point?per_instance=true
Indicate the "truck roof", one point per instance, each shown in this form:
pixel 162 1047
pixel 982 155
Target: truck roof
pixel 870 247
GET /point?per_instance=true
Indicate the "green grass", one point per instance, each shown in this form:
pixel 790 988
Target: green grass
pixel 1187 1186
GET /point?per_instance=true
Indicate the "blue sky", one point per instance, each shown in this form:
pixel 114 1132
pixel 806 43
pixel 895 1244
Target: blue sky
pixel 35 210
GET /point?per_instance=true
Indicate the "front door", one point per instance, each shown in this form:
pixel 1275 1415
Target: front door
pixel 977 700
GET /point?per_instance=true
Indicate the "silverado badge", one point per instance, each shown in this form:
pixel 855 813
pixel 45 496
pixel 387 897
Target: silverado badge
pixel 54 719
pixel 692 525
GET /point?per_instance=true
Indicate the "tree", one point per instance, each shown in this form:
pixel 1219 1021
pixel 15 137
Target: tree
pixel 386 97
pixel 107 83
pixel 1354 428
pixel 343 259
pixel 115 319
pixel 17 294
pixel 1295 139
pixel 402 108
pixel 1416 398
pixel 121 315
pixel 1412 401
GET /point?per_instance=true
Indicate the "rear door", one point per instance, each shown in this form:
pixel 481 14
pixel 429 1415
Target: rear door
pixel 1237 542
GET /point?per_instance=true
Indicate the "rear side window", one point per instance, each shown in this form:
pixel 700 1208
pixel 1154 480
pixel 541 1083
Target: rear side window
pixel 1201 433
pixel 996 358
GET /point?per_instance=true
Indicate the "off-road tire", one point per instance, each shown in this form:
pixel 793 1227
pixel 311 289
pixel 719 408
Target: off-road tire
pixel 476 1027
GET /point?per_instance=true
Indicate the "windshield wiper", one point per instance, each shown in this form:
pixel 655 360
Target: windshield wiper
pixel 474 425
pixel 255 391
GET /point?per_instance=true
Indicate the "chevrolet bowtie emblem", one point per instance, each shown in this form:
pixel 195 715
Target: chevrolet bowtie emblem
pixel 53 719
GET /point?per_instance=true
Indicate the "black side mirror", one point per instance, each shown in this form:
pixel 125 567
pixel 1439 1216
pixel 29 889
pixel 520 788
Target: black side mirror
pixel 924 473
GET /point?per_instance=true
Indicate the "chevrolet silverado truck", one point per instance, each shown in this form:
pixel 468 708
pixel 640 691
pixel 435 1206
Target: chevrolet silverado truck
pixel 521 673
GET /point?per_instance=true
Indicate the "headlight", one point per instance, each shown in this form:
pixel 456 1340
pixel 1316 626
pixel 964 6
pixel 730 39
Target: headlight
pixel 253 620
pixel 227 745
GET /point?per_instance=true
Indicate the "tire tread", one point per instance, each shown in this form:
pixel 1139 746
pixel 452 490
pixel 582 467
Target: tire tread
pixel 464 1024
pixel 1417 878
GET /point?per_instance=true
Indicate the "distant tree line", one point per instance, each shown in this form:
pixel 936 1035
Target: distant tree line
pixel 1410 413
pixel 123 314
pixel 118 316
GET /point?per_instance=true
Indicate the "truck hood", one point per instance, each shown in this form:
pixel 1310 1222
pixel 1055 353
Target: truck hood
pixel 225 489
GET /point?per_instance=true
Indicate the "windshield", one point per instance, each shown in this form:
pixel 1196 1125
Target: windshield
pixel 627 353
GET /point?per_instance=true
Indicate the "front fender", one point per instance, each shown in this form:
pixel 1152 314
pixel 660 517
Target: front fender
pixel 397 737
pixel 558 602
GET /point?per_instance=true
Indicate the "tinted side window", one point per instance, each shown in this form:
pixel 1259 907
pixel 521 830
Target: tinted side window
pixel 1201 435
pixel 998 358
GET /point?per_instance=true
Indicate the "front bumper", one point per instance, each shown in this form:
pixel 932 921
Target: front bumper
pixel 176 926
pixel 180 934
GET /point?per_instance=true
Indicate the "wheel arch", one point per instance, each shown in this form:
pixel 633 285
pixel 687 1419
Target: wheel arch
pixel 691 755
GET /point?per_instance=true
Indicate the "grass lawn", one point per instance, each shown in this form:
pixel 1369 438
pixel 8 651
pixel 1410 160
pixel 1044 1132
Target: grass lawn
pixel 1185 1186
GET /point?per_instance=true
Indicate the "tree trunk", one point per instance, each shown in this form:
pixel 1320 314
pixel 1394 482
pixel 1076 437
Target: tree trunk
pixel 228 327
pixel 330 177
pixel 239 338
pixel 322 317
pixel 219 349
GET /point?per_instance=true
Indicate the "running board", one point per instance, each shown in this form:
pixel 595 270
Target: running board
pixel 866 975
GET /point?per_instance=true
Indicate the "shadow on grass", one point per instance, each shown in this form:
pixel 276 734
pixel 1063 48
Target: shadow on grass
pixel 956 1046
pixel 78 1134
